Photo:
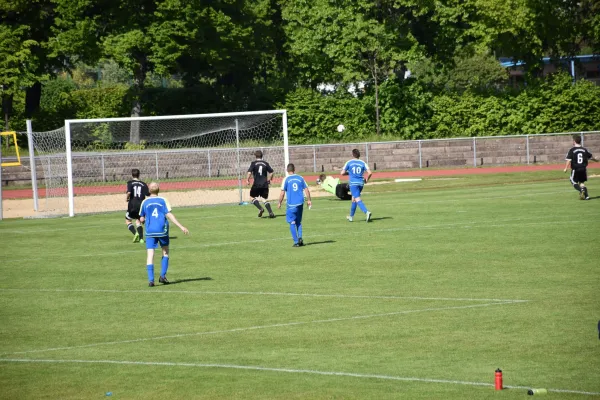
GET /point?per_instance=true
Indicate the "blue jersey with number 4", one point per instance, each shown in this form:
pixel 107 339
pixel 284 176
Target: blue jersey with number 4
pixel 155 209
pixel 356 168
pixel 293 186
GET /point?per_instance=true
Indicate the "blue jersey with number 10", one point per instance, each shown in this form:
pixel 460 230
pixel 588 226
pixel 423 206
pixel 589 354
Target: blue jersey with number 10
pixel 293 186
pixel 155 209
pixel 356 168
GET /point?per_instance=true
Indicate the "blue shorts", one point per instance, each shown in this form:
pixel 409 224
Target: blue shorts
pixel 153 242
pixel 294 214
pixel 355 190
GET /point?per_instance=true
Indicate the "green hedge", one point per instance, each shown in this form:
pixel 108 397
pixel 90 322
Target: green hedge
pixel 409 109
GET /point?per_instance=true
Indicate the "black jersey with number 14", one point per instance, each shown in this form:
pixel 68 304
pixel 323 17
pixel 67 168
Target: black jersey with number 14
pixel 579 157
pixel 260 170
pixel 138 192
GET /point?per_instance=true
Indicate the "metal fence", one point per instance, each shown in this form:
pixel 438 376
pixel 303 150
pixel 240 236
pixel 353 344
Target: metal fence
pixel 407 154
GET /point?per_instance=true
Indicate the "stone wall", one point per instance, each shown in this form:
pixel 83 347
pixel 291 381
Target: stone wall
pixel 221 163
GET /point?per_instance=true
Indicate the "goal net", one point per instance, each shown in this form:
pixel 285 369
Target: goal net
pixel 197 159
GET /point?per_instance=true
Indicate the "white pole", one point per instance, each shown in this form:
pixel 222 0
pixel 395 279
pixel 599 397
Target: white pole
pixel 286 150
pixel 69 168
pixel 239 171
pixel 32 165
pixel 420 156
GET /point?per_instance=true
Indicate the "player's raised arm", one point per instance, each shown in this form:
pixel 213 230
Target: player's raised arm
pixel 248 176
pixel 174 220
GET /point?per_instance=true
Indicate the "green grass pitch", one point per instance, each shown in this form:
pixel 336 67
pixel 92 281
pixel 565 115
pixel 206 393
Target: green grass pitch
pixel 452 279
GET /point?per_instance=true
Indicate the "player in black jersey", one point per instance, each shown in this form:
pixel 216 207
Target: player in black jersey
pixel 136 193
pixel 262 173
pixel 577 159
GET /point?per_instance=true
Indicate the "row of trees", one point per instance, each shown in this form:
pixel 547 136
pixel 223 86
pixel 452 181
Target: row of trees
pixel 249 54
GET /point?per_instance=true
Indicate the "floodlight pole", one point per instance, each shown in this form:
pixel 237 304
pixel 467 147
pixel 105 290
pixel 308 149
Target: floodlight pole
pixel 32 165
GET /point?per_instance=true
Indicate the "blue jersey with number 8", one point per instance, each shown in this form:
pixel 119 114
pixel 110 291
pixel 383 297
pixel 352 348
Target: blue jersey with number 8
pixel 155 209
pixel 356 169
pixel 293 186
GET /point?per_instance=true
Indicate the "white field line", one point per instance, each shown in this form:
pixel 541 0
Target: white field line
pixel 83 225
pixel 456 225
pixel 287 370
pixel 200 292
pixel 251 328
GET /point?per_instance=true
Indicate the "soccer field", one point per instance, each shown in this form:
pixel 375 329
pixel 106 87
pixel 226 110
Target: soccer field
pixel 453 278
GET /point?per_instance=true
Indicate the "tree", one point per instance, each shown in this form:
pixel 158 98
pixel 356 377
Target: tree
pixel 17 66
pixel 361 41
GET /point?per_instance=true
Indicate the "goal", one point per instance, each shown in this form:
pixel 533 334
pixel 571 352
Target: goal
pixel 198 159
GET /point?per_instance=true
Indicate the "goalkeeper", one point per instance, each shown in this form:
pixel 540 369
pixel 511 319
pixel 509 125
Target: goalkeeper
pixel 333 186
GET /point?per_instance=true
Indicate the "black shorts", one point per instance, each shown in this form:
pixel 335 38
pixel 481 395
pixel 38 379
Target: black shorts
pixel 133 211
pixel 578 176
pixel 259 192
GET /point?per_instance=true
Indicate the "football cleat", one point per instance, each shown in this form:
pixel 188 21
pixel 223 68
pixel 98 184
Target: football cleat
pixel 300 242
pixel 349 218
pixel 260 213
pixel 296 245
pixel 151 283
pixel 136 238
pixel 368 216
pixel 271 215
pixel 142 241
pixel 163 280
pixel 582 195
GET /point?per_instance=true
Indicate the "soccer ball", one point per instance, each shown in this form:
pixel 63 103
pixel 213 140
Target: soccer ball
pixel 341 128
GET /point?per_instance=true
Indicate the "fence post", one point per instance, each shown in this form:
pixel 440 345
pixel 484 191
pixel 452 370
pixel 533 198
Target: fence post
pixel 209 168
pixel 474 152
pixel 156 158
pixel 420 156
pixel 314 158
pixel 367 153
pixel 103 172
pixel 527 145
pixel 581 136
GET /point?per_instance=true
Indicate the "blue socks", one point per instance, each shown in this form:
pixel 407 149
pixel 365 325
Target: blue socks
pixel 352 209
pixel 164 266
pixel 299 230
pixel 150 269
pixel 294 232
pixel 362 206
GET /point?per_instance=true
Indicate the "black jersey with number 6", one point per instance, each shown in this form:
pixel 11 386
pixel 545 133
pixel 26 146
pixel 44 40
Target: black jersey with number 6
pixel 579 157
pixel 260 170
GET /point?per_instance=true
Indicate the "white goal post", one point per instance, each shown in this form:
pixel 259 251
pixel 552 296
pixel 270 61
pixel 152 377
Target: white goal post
pixel 200 159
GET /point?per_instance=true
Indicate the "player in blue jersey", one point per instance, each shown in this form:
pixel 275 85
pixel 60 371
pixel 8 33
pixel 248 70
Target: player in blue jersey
pixel 156 213
pixel 356 169
pixel 295 187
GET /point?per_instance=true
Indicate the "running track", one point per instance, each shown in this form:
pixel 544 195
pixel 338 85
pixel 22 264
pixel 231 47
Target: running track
pixel 190 185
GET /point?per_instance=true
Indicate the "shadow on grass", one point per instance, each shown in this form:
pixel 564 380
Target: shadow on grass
pixel 379 218
pixel 206 278
pixel 315 243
